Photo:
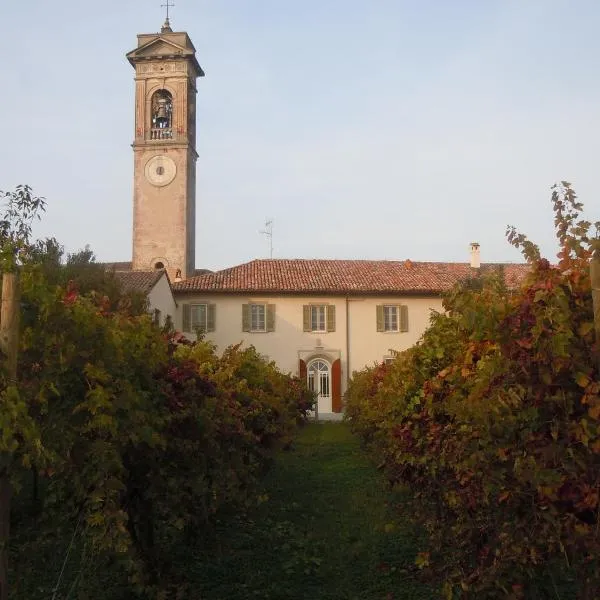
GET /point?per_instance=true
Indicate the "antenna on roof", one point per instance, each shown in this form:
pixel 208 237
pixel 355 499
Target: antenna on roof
pixel 268 231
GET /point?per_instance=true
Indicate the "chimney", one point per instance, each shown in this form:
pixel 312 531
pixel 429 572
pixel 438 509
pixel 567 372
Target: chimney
pixel 475 259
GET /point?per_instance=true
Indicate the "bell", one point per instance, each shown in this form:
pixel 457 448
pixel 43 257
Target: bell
pixel 162 117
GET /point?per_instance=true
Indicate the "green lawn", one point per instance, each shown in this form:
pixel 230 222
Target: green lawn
pixel 325 530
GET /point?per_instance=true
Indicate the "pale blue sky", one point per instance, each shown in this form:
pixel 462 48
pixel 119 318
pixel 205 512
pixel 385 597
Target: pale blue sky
pixel 380 129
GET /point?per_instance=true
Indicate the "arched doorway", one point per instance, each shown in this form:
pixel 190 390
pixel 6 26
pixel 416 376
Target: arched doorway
pixel 318 376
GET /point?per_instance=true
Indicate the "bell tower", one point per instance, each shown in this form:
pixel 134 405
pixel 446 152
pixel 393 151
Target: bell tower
pixel 164 148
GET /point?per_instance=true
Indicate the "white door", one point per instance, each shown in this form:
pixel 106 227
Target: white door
pixel 319 381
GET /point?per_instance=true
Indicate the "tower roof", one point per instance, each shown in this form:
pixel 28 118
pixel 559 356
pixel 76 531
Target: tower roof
pixel 166 44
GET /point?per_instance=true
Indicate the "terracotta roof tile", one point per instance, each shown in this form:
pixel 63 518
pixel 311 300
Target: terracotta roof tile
pixel 341 277
pixel 138 281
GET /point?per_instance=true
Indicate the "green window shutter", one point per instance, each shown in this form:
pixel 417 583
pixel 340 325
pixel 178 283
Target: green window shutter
pixel 403 317
pixel 187 318
pixel 330 317
pixel 380 317
pixel 245 317
pixel 306 317
pixel 270 317
pixel 211 317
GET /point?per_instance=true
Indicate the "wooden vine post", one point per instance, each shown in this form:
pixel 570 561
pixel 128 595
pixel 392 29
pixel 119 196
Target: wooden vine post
pixel 595 278
pixel 9 343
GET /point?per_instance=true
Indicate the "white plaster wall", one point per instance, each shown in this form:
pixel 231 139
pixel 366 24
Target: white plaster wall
pixel 162 298
pixel 289 342
pixel 368 345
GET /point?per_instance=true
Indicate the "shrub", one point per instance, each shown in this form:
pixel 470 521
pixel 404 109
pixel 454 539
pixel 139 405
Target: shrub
pixel 142 440
pixel 493 419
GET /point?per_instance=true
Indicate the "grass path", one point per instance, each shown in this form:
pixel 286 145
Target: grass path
pixel 325 531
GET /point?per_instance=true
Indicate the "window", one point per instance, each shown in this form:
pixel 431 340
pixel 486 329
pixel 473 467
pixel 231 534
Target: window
pixel 388 360
pixel 258 317
pixel 319 318
pixel 199 316
pixel 156 317
pixel 392 318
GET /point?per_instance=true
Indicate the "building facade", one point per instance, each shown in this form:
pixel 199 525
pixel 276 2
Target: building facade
pixel 322 319
pixel 337 334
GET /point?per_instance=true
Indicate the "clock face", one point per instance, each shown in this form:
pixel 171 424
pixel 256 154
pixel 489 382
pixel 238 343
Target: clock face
pixel 160 170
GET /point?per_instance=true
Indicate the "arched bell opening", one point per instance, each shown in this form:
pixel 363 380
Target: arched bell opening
pixel 161 127
pixel 159 265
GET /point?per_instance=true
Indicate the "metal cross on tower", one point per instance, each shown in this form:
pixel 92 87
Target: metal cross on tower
pixel 167 6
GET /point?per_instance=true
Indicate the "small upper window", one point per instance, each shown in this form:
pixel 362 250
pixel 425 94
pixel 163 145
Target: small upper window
pixel 159 265
pixel 318 320
pixel 390 318
pixel 257 317
pixel 199 317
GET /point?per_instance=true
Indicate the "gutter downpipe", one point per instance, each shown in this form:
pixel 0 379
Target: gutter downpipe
pixel 347 341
